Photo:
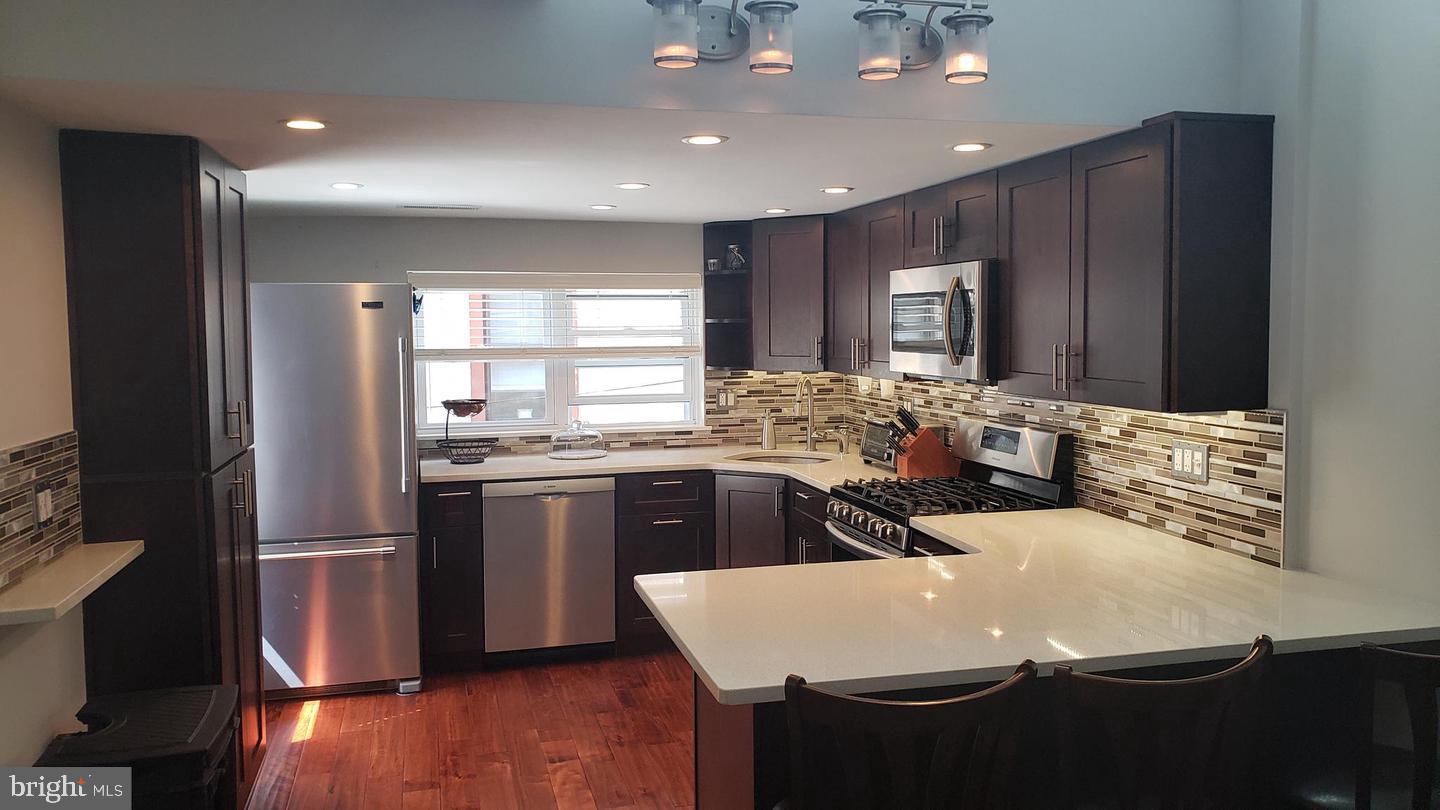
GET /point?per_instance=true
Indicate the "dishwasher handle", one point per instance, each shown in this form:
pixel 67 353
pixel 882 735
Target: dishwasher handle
pixel 547 490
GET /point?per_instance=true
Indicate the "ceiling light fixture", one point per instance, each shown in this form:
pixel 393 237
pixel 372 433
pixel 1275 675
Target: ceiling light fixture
pixel 602 207
pixel 346 186
pixel 890 42
pixel 837 189
pixel 971 147
pixel 632 186
pixel 777 210
pixel 773 22
pixel 303 123
pixel 705 140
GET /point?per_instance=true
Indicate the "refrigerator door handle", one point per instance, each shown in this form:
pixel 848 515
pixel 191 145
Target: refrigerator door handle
pixel 383 551
pixel 405 425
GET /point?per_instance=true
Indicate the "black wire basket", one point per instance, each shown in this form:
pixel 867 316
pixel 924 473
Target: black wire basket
pixel 464 451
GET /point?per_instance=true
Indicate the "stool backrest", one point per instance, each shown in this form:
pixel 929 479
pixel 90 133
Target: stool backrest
pixel 1185 743
pixel 1419 676
pixel 851 752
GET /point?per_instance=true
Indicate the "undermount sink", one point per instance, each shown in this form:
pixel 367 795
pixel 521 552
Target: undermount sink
pixel 783 456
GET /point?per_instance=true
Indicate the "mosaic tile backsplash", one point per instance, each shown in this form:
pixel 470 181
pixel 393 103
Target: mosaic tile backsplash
pixel 1122 457
pixel 23 548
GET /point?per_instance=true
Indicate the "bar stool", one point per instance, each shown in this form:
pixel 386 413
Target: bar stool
pixel 852 752
pixel 1419 676
pixel 1185 743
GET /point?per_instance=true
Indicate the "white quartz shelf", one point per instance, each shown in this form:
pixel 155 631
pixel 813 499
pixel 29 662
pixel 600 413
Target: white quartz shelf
pixel 1058 586
pixel 538 465
pixel 55 588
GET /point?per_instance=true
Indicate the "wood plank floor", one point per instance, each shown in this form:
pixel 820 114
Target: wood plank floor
pixel 595 734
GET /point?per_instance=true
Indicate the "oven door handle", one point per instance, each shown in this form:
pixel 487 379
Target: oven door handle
pixel 945 334
pixel 866 550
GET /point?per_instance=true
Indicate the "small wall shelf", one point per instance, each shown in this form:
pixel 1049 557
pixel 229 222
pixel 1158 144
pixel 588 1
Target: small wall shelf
pixel 57 587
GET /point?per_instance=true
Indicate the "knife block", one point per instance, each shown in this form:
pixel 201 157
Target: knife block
pixel 925 456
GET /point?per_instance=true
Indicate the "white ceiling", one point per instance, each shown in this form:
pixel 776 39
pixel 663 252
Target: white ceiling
pixel 535 161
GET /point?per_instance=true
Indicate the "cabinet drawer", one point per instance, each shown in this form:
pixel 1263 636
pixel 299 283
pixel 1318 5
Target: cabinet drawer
pixel 808 501
pixel 665 493
pixel 444 506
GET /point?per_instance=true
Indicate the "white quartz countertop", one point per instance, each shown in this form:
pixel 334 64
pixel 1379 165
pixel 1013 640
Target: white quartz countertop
pixel 59 585
pixel 538 465
pixel 1059 586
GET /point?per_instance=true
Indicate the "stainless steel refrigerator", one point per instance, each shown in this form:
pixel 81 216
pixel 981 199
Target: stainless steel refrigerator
pixel 337 478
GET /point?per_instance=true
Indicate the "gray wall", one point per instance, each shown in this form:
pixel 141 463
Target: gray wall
pixel 384 248
pixel 1356 280
pixel 42 666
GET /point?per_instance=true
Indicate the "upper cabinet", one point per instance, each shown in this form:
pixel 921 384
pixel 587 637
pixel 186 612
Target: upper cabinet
pixel 926 223
pixel 155 256
pixel 862 246
pixel 788 294
pixel 951 222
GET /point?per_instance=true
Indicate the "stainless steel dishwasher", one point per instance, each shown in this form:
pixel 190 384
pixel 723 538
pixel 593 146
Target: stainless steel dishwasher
pixel 549 563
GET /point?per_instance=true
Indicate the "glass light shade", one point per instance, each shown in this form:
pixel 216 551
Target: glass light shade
pixel 772 36
pixel 967 54
pixel 879 42
pixel 677 33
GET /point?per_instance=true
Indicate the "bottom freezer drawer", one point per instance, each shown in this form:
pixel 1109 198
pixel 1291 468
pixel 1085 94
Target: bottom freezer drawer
pixel 339 612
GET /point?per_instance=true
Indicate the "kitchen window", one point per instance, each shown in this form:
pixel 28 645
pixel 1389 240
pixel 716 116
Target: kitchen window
pixel 612 350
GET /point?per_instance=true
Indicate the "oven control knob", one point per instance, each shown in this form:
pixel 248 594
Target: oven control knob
pixel 858 518
pixel 887 532
pixel 839 510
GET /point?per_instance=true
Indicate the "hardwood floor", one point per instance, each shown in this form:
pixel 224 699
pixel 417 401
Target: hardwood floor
pixel 595 734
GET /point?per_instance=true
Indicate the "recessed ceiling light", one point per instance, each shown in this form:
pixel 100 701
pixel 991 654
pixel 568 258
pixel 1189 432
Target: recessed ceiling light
pixel 971 147
pixel 837 189
pixel 777 210
pixel 346 186
pixel 632 186
pixel 705 140
pixel 602 207
pixel 303 123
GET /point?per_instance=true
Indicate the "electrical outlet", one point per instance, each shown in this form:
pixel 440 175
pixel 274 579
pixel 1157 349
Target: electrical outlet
pixel 1190 461
pixel 725 398
pixel 44 505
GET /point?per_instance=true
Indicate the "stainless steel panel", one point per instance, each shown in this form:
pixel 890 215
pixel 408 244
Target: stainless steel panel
pixel 549 563
pixel 339 611
pixel 1023 449
pixel 924 303
pixel 334 432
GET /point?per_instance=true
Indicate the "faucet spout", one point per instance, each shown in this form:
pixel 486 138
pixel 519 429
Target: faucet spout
pixel 806 393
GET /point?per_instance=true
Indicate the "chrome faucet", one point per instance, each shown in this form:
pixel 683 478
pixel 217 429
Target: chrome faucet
pixel 806 393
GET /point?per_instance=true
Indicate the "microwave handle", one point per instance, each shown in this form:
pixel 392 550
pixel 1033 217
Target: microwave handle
pixel 945 333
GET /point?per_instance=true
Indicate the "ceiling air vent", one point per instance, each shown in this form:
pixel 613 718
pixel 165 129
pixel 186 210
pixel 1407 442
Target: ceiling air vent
pixel 425 207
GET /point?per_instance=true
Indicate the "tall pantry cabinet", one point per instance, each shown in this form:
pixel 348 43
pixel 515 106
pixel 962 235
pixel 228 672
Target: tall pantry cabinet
pixel 160 366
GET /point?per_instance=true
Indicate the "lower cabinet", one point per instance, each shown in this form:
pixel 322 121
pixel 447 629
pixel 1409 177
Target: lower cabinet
pixel 806 541
pixel 655 544
pixel 452 576
pixel 749 521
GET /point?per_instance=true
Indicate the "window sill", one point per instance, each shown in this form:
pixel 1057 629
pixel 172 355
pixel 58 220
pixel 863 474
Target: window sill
pixel 427 439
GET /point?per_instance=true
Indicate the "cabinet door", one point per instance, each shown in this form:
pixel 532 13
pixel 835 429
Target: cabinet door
pixel 788 294
pixel 884 251
pixel 236 295
pixel 749 521
pixel 237 609
pixel 1118 269
pixel 224 424
pixel 925 222
pixel 847 291
pixel 656 544
pixel 973 211
pixel 1034 248
pixel 452 596
pixel 807 541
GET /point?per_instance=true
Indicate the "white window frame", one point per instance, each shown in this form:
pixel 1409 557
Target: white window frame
pixel 560 377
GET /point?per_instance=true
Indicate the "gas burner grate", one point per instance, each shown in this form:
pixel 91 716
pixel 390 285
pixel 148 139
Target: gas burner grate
pixel 939 496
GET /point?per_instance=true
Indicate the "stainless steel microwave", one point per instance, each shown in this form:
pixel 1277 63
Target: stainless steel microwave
pixel 942 321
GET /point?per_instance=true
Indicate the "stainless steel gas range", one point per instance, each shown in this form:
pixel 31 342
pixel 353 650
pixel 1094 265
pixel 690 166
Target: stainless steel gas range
pixel 1002 468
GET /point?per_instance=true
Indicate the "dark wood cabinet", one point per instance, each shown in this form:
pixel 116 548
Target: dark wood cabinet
pixel 728 342
pixel 665 493
pixel 863 246
pixel 927 216
pixel 788 294
pixel 452 575
pixel 159 341
pixel 749 521
pixel 1034 252
pixel 971 205
pixel 806 539
pixel 655 544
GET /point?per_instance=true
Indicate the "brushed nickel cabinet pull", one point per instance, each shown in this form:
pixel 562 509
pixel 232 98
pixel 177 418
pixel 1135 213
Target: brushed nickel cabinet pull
pixel 670 522
pixel 665 483
pixel 466 493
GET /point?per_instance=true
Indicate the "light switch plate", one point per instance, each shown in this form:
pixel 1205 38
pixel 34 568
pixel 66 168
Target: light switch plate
pixel 44 505
pixel 887 388
pixel 1190 461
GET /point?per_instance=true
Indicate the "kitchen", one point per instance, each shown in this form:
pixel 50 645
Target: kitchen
pixel 470 434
